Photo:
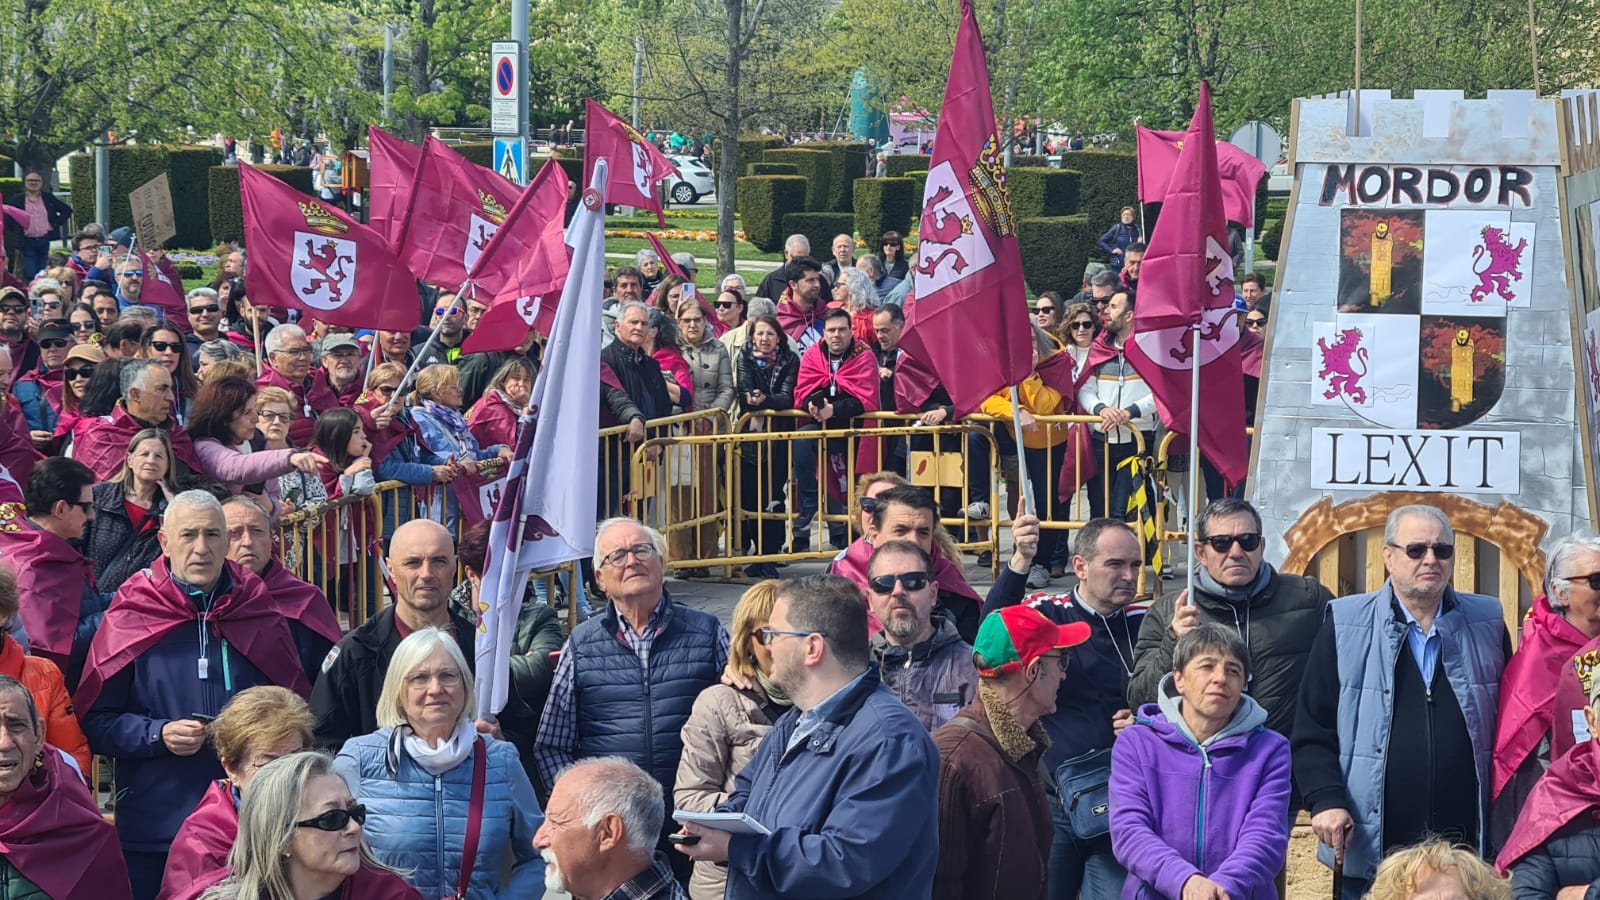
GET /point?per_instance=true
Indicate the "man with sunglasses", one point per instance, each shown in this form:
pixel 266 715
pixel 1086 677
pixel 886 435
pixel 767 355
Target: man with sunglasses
pixel 14 333
pixel 628 677
pixel 1278 615
pixel 38 392
pixel 920 657
pixel 180 639
pixel 994 809
pixel 450 317
pixel 848 776
pixel 205 320
pixel 1395 727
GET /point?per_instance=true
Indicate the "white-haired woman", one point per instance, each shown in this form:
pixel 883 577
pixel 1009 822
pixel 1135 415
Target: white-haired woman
pixel 855 293
pixel 451 806
pixel 300 838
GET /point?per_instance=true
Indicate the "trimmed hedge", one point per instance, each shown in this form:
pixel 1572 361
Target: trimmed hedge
pixel 480 152
pixel 763 168
pixel 1271 237
pixel 131 166
pixel 762 202
pixel 1110 182
pixel 569 153
pixel 885 204
pixel 750 147
pixel 187 171
pixel 816 166
pixel 819 228
pixel 189 271
pixel 227 213
pixel 902 164
pixel 1040 192
pixel 849 163
pixel 1054 251
pixel 10 186
pixel 920 176
pixel 1029 161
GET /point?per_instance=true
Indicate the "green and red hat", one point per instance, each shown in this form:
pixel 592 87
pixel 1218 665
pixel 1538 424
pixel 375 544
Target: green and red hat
pixel 1015 636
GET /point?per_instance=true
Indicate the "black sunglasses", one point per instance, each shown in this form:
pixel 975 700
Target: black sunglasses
pixel 53 343
pixel 164 346
pixel 336 819
pixel 1082 326
pixel 1043 309
pixel 1254 323
pixel 1593 578
pixel 9 308
pixel 81 372
pixel 201 310
pixel 1221 543
pixel 884 584
pixel 1420 549
pixel 726 304
pixel 84 326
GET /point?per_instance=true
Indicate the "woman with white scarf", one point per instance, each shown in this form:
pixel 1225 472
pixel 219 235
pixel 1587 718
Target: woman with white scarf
pixel 437 792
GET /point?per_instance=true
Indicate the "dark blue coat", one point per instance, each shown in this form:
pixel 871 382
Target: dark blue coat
pixel 854 810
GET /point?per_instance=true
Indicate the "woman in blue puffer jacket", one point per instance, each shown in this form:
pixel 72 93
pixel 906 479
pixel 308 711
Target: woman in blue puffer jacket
pixel 418 776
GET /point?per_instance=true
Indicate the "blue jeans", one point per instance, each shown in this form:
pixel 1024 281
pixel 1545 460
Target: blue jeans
pixel 1080 868
pixel 35 253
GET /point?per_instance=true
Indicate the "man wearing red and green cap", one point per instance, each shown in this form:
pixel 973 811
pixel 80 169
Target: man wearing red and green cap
pixel 992 794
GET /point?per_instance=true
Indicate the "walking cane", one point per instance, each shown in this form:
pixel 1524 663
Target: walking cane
pixel 1338 873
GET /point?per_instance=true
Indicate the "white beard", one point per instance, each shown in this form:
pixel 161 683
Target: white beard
pixel 552 875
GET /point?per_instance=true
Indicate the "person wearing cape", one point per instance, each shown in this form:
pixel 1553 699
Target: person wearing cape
pixel 1554 850
pixel 838 381
pixel 311 619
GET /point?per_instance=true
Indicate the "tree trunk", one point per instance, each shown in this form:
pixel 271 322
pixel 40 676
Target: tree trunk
pixel 420 86
pixel 728 135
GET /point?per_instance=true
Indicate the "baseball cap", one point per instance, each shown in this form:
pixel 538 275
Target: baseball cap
pixel 55 329
pixel 1017 635
pixel 334 341
pixel 122 237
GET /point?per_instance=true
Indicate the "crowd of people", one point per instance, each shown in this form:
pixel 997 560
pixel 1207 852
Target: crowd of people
pixel 881 730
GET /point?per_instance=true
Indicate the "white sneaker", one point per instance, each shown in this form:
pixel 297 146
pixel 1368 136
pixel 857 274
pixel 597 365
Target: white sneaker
pixel 977 509
pixel 1038 577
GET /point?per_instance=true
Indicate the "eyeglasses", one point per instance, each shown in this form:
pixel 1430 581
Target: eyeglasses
pixel 1221 543
pixel 204 310
pixel 53 343
pixel 1420 549
pixel 447 678
pixel 1593 578
pixel 83 326
pixel 14 310
pixel 336 819
pixel 295 351
pixel 1252 322
pixel 445 310
pixel 1082 326
pixel 131 273
pixel 72 374
pixel 694 320
pixel 884 584
pixel 767 635
pixel 726 304
pixel 616 559
pixel 1044 309
pixel 273 416
pixel 165 346
pixel 869 505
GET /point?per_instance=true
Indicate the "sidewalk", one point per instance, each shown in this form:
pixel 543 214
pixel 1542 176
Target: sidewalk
pixel 708 264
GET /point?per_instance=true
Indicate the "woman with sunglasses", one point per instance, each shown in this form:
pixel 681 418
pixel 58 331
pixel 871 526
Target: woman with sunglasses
pixel 85 325
pixel 300 838
pixel 259 725
pixel 1080 325
pixel 121 539
pixel 894 255
pixel 730 310
pixel 77 374
pixel 728 723
pixel 450 805
pixel 165 343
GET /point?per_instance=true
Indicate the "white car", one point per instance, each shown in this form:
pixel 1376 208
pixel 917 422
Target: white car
pixel 694 181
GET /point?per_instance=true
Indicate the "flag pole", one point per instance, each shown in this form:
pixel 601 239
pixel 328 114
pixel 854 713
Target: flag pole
pixel 1023 486
pixel 422 352
pixel 1144 233
pixel 1194 454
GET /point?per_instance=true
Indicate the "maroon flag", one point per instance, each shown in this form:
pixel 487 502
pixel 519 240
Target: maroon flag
pixel 1186 288
pixel 1240 172
pixel 636 166
pixel 969 323
pixel 160 292
pixel 394 168
pixel 518 257
pixel 689 287
pixel 309 255
pixel 456 207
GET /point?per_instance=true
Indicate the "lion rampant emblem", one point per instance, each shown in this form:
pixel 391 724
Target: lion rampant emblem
pixel 943 227
pixel 328 263
pixel 1340 364
pixel 1496 263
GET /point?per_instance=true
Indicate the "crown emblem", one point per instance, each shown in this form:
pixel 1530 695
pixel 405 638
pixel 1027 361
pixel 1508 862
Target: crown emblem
pixel 988 179
pixel 320 220
pixel 1584 665
pixel 493 209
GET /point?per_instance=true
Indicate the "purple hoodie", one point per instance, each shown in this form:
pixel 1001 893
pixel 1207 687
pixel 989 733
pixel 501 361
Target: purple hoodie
pixel 1179 809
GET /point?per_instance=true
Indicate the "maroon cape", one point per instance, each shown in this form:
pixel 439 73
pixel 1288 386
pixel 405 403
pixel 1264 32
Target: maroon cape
pixel 857 376
pixel 492 421
pixel 376 884
pixel 853 565
pixel 1569 789
pixel 1528 688
pixel 347 397
pixel 51 575
pixel 17 452
pixel 383 441
pixel 199 855
pixel 796 321
pixel 301 601
pixel 1578 670
pixel 150 605
pixel 312 398
pixel 53 833
pixel 101 442
pixel 1251 347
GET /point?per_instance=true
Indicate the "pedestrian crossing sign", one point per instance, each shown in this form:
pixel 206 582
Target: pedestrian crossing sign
pixel 510 159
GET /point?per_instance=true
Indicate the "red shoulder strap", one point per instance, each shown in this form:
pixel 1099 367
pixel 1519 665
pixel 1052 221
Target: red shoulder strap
pixel 469 852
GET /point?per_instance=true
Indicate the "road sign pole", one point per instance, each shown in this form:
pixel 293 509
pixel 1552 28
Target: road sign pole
pixel 519 33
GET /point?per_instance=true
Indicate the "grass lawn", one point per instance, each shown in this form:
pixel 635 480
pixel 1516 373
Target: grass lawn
pixel 701 249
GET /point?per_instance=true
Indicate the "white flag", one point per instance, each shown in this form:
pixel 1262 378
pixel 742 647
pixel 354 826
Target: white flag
pixel 547 514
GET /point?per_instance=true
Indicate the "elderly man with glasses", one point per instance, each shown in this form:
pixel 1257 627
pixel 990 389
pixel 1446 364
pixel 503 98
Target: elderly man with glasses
pixel 289 367
pixel 629 676
pixel 1395 727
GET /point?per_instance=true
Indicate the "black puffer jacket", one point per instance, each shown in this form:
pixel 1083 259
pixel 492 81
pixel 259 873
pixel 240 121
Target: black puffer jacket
pixel 1279 624
pixel 776 382
pixel 1570 857
pixel 115 548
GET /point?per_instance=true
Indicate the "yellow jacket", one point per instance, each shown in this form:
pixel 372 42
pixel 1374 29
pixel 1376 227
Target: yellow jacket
pixel 1038 399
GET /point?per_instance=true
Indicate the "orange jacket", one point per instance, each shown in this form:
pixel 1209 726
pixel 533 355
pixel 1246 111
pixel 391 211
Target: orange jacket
pixel 43 680
pixel 1037 398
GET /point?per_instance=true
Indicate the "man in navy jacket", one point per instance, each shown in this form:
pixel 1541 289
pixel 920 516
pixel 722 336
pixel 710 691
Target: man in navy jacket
pixel 846 781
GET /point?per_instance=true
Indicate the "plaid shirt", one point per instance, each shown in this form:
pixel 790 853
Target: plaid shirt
pixel 558 725
pixel 654 883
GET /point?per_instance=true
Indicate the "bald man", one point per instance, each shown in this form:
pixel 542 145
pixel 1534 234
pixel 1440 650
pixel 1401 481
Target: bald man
pixel 422 563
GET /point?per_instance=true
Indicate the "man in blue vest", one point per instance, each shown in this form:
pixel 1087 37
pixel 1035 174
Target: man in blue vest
pixel 1394 732
pixel 628 677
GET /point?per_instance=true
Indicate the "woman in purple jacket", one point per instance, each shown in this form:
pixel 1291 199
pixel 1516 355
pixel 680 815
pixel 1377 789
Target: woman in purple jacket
pixel 1199 788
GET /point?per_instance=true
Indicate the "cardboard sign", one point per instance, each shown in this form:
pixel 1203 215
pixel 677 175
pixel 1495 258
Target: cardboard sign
pixel 152 212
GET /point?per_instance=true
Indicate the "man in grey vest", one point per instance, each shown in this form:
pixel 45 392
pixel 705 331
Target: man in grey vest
pixel 1395 727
